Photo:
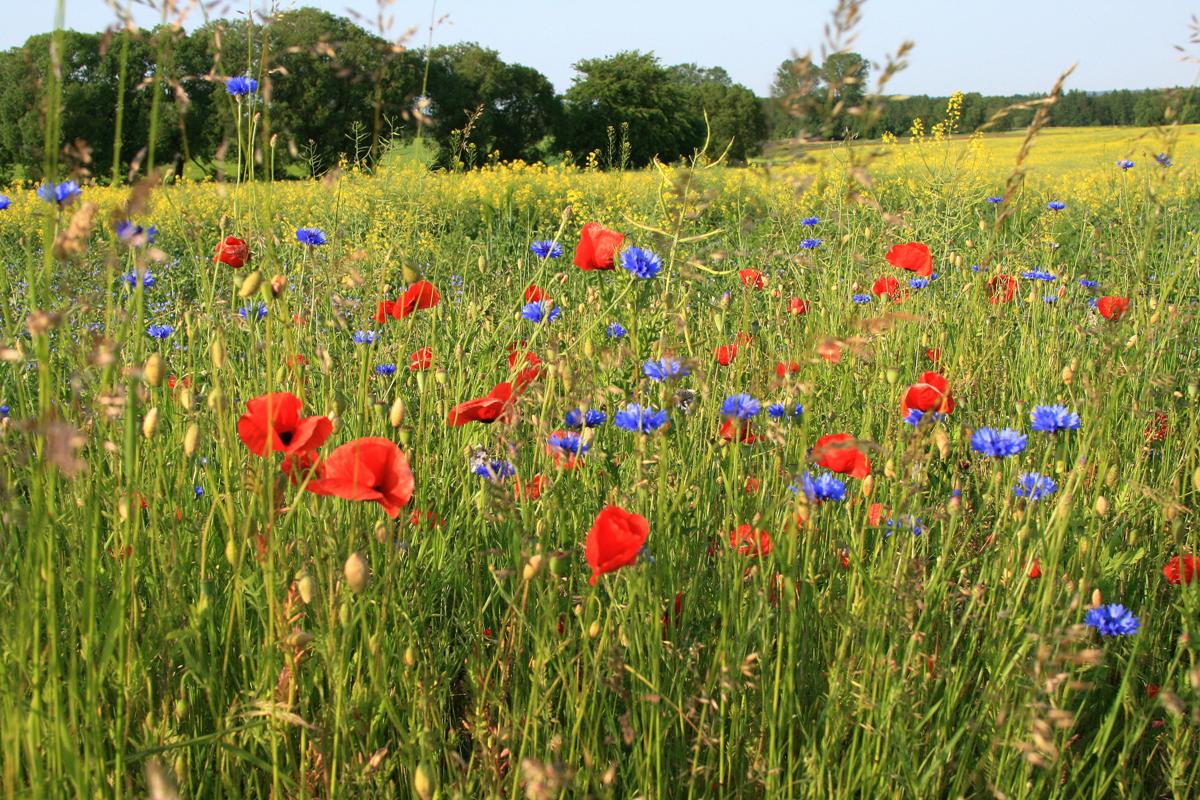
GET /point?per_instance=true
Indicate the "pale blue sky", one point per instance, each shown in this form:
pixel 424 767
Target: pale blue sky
pixel 991 46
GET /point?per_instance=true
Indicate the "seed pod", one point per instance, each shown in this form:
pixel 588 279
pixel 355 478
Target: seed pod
pixel 357 573
pixel 152 370
pixel 150 423
pixel 396 415
pixel 190 438
pixel 249 285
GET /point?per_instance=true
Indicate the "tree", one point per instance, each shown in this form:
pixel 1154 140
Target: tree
pixel 735 116
pixel 629 89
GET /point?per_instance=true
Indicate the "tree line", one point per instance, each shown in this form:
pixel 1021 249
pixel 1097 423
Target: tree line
pixel 332 91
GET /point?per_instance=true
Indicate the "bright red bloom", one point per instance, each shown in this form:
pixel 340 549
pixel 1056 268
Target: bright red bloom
pixel 1002 289
pixel 421 359
pixel 531 489
pixel 429 518
pixel 419 296
pixel 273 423
pixel 1157 428
pixel 597 247
pixel 385 311
pixel 750 542
pixel 876 514
pixel 487 409
pixel 1112 308
pixel 1036 571
pixel 233 251
pixel 933 354
pixel 830 350
pixel 296 465
pixel 932 393
pixel 1181 569
pixel 886 285
pixel 297 360
pixel 733 429
pixel 616 538
pixel 912 256
pixel 751 278
pixel 515 355
pixel 839 452
pixel 186 382
pixel 371 469
pixel 797 306
pixel 725 354
pixel 536 294
pixel 783 368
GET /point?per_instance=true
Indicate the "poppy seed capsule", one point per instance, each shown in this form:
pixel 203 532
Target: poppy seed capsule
pixel 152 370
pixel 150 423
pixel 190 437
pixel 249 285
pixel 357 573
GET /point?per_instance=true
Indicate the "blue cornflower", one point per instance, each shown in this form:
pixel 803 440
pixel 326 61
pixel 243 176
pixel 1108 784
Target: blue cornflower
pixel 642 263
pixel 916 416
pixel 245 312
pixel 568 443
pixel 1164 160
pixel 1038 275
pixel 313 237
pixel 664 369
pixel 546 248
pixel 638 419
pixel 4 410
pixel 456 280
pixel 741 406
pixel 5 202
pixel 861 298
pixel 1052 419
pixel 809 221
pixel 1035 486
pixel 131 278
pixel 576 418
pixel 160 331
pixel 779 410
pixel 918 283
pixel 385 369
pixel 1112 620
pixel 495 470
pixel 539 312
pixel 975 268
pixel 994 200
pixel 364 337
pixel 909 521
pixel 199 491
pixel 1056 205
pixel 1088 284
pixel 127 232
pixel 821 488
pixel 240 85
pixel 1125 164
pixel 810 244
pixel 60 193
pixel 998 443
pixel 616 330
pixel 1050 298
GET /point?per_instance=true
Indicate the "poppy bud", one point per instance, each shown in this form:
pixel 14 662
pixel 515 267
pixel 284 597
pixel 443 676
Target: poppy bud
pixel 559 565
pixel 357 573
pixel 249 284
pixel 1068 375
pixel 410 656
pixel 230 551
pixel 278 284
pixel 868 485
pixel 1196 479
pixel 307 587
pixel 123 509
pixel 1097 598
pixel 190 437
pixel 150 423
pixel 381 532
pixel 483 263
pixel 185 398
pixel 396 415
pixel 298 639
pixel 532 567
pixel 594 628
pixel 152 370
pixel 405 437
pixel 217 351
pixel 889 469
pixel 424 783
pixel 892 375
pixel 216 399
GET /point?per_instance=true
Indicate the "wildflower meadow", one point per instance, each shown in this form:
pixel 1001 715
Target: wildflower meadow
pixel 870 470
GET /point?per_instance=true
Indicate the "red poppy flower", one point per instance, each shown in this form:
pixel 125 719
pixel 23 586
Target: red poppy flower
pixel 419 296
pixel 886 285
pixel 531 489
pixel 486 409
pixel 616 538
pixel 751 278
pixel 385 311
pixel 912 256
pixel 515 355
pixel 536 294
pixel 428 518
pixel 371 469
pixel 1002 289
pixel 297 465
pixel 1181 569
pixel 1112 308
pixel 273 423
pixel 783 368
pixel 297 360
pixel 1157 428
pixel 725 354
pixel 1152 690
pixel 750 542
pixel 876 514
pixel 1036 571
pixel 232 251
pixel 830 350
pixel 797 306
pixel 421 359
pixel 932 393
pixel 172 381
pixel 597 247
pixel 733 429
pixel 839 452
pixel 752 485
pixel 933 354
